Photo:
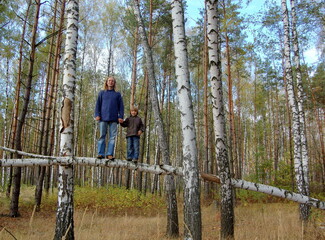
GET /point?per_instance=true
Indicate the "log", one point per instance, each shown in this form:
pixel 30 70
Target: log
pixel 40 160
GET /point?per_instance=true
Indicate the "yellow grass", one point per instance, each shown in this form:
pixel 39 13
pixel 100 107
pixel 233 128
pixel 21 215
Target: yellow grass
pixel 253 221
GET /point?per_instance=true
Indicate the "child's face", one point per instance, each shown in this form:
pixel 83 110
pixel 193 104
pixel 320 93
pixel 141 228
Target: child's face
pixel 133 113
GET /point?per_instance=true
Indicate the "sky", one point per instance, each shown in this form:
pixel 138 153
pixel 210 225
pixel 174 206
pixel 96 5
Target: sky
pixel 193 13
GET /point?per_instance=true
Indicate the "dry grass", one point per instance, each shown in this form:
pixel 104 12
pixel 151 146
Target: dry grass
pixel 253 221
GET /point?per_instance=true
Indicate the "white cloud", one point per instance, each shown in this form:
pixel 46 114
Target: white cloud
pixel 311 56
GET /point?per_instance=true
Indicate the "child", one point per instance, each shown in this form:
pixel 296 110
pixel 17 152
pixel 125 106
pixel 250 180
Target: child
pixel 135 128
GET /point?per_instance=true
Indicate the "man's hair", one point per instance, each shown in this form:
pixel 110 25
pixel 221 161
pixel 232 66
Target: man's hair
pixel 105 87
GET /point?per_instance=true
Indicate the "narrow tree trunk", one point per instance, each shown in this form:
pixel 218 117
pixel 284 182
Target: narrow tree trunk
pixel 192 209
pixel 134 68
pixel 304 210
pixel 144 136
pixel 45 128
pixel 172 217
pixel 17 93
pixel 206 165
pixel 110 57
pixel 240 152
pixel 18 139
pixel 129 173
pixel 5 127
pixel 232 138
pixel 227 208
pixel 148 130
pixel 64 218
pixel 48 145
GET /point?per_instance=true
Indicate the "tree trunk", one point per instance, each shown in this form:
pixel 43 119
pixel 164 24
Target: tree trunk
pixel 134 68
pixel 5 127
pixel 227 208
pixel 172 217
pixel 206 165
pixel 157 169
pixel 17 93
pixel 232 138
pixel 64 218
pixel 304 210
pixel 192 209
pixel 44 129
pixel 18 141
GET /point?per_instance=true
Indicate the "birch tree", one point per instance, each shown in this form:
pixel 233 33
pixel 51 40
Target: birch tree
pixel 296 128
pixel 227 209
pixel 301 113
pixel 35 159
pixel 192 210
pixel 64 218
pixel 172 217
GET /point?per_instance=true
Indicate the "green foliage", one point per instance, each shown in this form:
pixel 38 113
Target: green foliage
pixel 318 84
pixel 114 200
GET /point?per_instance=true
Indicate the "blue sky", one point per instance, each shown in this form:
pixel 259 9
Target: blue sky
pixel 193 10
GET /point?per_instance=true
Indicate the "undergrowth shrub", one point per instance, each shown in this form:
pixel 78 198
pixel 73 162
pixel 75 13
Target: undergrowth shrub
pixel 115 200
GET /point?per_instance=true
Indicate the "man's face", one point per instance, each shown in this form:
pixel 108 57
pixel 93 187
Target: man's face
pixel 110 83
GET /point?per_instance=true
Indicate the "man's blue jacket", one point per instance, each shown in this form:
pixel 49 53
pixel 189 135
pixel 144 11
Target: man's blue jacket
pixel 109 106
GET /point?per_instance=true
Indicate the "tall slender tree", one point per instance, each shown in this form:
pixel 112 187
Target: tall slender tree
pixel 192 209
pixel 44 127
pixel 206 164
pixel 64 217
pixel 300 97
pixel 227 208
pixel 17 92
pixel 172 215
pixel 296 126
pixel 22 117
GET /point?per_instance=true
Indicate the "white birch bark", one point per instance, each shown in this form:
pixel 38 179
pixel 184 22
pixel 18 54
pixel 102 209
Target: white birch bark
pixel 64 218
pixel 159 170
pixel 274 191
pixel 301 113
pixel 4 136
pixel 227 208
pixel 304 212
pixel 192 210
pixel 172 214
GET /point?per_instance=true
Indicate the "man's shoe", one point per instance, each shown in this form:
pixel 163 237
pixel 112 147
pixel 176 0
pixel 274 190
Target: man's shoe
pixel 135 160
pixel 109 157
pixel 129 159
pixel 100 156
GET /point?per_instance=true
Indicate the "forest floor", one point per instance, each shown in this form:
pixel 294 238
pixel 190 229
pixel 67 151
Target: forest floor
pixel 253 219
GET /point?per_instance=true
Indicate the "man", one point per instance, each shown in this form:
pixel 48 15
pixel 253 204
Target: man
pixel 109 112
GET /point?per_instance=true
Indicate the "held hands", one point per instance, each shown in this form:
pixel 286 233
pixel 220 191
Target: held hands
pixel 120 120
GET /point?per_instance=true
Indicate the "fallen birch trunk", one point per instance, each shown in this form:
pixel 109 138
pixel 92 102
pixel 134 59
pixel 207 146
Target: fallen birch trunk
pixel 274 191
pixel 40 160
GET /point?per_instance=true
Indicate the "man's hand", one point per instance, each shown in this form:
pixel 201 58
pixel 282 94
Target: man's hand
pixel 120 120
pixel 97 118
pixel 139 132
